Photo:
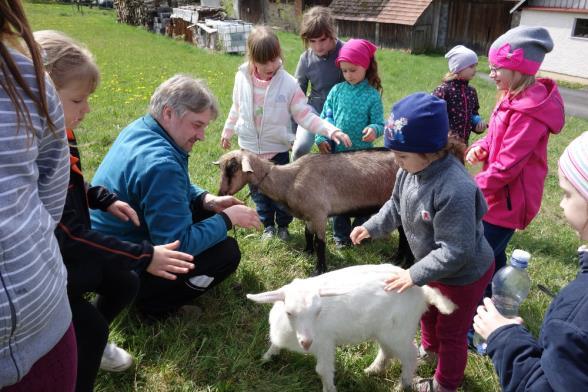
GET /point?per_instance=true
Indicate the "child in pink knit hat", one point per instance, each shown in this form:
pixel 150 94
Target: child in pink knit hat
pixel 355 107
pixel 514 151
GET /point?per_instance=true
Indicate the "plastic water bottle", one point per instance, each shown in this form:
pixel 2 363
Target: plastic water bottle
pixel 476 118
pixel 510 287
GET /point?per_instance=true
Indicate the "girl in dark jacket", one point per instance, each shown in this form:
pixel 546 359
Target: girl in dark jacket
pixel 461 98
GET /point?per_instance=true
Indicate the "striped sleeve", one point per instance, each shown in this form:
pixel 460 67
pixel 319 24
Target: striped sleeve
pixel 304 115
pixel 53 159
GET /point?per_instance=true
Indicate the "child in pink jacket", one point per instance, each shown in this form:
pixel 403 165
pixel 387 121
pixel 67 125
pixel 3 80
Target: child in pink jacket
pixel 514 152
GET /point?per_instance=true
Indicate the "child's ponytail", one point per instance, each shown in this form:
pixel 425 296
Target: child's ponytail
pixel 372 76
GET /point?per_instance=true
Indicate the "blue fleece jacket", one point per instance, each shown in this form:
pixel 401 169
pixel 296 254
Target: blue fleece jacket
pixel 558 360
pixel 147 169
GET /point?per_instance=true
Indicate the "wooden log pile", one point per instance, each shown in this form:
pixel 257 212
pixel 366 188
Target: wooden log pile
pixel 143 12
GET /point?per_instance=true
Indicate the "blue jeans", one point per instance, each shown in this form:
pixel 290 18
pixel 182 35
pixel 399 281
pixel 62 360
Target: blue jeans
pixel 498 237
pixel 342 226
pixel 268 210
pixel 303 143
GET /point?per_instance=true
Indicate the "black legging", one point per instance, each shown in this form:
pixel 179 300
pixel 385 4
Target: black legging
pixel 159 297
pixel 116 290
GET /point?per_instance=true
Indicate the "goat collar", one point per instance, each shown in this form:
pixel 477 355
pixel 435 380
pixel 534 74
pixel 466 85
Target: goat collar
pixel 265 176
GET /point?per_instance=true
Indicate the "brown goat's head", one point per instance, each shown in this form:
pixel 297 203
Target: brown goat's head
pixel 234 167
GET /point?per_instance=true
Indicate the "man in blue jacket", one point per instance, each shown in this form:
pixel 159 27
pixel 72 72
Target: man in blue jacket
pixel 147 167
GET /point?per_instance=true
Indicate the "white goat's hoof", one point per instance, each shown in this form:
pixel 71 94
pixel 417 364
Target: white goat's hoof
pixel 374 370
pixel 402 388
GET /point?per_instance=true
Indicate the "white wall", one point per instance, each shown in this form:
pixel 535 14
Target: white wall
pixel 569 55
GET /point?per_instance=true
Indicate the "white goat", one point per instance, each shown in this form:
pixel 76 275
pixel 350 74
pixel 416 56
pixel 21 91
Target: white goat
pixel 349 306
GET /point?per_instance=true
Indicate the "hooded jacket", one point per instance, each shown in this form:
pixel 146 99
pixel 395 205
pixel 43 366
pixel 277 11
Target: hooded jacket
pixel 514 172
pixel 34 311
pixel 78 243
pixel 558 360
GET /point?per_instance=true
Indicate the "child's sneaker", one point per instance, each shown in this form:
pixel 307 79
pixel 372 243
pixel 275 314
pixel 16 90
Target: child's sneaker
pixel 342 244
pixel 268 233
pixel 283 233
pixel 115 359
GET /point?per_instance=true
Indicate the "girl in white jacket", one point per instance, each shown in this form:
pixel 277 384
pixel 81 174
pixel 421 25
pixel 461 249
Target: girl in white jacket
pixel 265 97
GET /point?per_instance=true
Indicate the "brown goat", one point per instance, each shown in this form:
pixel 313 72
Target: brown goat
pixel 317 186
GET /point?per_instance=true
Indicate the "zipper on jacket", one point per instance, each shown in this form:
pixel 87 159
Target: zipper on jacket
pixel 12 327
pixel 508 202
pixel 466 124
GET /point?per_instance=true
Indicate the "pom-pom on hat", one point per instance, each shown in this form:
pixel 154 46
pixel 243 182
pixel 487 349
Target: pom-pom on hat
pixel 417 123
pixel 521 49
pixel 460 57
pixel 574 164
pixel 357 51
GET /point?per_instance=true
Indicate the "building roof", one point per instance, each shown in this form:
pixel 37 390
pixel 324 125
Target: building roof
pixel 405 12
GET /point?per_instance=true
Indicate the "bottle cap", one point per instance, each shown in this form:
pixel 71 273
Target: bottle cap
pixel 520 258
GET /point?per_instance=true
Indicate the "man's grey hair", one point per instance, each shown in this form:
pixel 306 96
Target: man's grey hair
pixel 183 93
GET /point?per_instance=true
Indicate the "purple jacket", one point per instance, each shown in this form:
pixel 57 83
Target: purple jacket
pixel 514 172
pixel 462 105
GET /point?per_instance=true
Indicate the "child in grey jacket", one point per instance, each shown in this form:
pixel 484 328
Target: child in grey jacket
pixel 440 207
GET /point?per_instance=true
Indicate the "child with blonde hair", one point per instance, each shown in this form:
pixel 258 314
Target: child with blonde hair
pixel 95 262
pixel 355 106
pixel 440 207
pixel 316 67
pixel 514 151
pixel 558 359
pixel 265 96
pixel 462 99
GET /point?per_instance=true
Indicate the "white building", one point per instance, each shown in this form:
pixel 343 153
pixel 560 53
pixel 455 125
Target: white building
pixel 567 23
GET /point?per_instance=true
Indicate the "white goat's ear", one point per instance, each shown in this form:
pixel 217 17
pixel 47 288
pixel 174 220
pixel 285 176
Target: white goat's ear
pixel 245 165
pixel 216 163
pixel 333 291
pixel 267 297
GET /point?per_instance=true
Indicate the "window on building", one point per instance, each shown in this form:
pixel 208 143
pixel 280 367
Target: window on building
pixel 580 28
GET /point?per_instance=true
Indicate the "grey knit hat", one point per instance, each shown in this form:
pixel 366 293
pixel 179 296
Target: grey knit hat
pixel 521 49
pixel 460 57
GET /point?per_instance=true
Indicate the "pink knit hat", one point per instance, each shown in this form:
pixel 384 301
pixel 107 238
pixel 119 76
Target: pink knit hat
pixel 357 51
pixel 521 49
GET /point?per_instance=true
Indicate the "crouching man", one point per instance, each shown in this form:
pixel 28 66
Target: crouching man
pixel 147 167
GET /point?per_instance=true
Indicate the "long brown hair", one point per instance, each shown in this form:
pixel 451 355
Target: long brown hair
pixel 454 146
pixel 371 74
pixel 316 22
pixel 14 30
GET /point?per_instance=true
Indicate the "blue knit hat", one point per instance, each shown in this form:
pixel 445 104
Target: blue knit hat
pixel 417 123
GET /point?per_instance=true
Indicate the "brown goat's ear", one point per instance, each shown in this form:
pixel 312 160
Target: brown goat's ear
pixel 246 165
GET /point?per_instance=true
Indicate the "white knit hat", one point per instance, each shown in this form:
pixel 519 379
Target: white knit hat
pixel 460 57
pixel 574 164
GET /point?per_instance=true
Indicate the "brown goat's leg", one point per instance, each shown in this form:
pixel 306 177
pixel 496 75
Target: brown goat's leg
pixel 318 226
pixel 404 257
pixel 321 263
pixel 309 237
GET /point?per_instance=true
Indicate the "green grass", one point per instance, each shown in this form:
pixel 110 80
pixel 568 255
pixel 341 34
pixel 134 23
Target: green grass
pixel 221 351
